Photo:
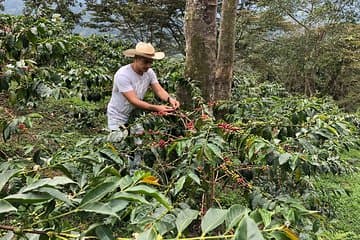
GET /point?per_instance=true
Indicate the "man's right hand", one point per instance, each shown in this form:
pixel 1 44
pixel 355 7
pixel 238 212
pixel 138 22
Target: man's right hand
pixel 164 108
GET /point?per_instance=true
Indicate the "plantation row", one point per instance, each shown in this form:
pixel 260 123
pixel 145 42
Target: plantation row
pixel 241 169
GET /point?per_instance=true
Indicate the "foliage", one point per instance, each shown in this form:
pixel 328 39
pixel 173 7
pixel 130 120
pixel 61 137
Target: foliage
pixel 311 47
pixel 158 22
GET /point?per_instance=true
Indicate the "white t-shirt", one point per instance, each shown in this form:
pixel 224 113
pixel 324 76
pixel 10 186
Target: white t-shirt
pixel 126 79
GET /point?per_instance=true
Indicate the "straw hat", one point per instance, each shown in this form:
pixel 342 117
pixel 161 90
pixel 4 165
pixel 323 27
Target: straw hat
pixel 144 50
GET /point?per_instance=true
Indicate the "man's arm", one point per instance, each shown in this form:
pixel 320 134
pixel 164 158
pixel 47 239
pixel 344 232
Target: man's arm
pixel 164 95
pixel 134 100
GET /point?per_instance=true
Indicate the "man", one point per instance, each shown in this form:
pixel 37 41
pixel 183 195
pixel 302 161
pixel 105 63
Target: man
pixel 131 83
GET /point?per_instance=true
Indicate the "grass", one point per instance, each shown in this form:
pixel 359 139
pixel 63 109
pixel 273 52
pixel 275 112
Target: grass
pixel 345 224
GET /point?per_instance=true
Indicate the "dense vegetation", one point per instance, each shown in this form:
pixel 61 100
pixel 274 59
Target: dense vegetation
pixel 244 168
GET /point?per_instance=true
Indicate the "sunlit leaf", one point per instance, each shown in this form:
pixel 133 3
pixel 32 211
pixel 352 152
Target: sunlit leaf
pixel 212 219
pixel 234 215
pixel 150 180
pixel 5 207
pixel 99 192
pixel 28 197
pixel 184 218
pixel 58 180
pixel 248 230
pixel 98 207
pixel 6 176
pixel 149 191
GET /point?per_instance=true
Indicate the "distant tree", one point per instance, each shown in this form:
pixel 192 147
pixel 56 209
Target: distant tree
pixel 301 44
pixel 156 21
pixel 46 8
pixel 2 5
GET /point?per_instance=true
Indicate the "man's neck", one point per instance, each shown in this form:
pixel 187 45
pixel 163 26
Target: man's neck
pixel 133 66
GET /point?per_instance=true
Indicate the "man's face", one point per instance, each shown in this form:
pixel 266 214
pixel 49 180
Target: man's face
pixel 143 64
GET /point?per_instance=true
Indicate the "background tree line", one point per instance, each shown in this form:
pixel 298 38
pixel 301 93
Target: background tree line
pixel 312 47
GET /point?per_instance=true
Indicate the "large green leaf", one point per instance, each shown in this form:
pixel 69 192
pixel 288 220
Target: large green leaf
pixel 109 154
pixel 58 180
pixel 179 184
pixel 28 197
pixel 6 176
pixel 98 207
pixel 149 234
pixel 234 215
pixel 149 191
pixel 248 230
pixel 104 233
pixel 118 204
pixel 5 206
pixel 212 219
pixel 130 197
pixel 56 194
pixel 99 192
pixel 184 218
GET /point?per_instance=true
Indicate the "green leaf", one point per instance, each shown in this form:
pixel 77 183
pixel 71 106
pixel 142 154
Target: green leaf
pixel 5 206
pixel 118 204
pixel 58 180
pixel 99 192
pixel 248 230
pixel 98 207
pixel 28 197
pixel 215 150
pixel 104 233
pixel 284 158
pixel 109 154
pixel 6 176
pixel 184 218
pixel 212 219
pixel 179 184
pixel 56 194
pixel 234 215
pixel 149 191
pixel 149 234
pixel 266 216
pixel 194 177
pixel 130 197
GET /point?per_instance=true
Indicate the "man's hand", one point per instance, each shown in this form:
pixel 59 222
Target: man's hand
pixel 164 108
pixel 174 103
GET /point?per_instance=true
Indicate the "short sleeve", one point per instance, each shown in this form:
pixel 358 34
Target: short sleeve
pixel 122 83
pixel 153 78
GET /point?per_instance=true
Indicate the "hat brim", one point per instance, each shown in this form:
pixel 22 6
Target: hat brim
pixel 133 52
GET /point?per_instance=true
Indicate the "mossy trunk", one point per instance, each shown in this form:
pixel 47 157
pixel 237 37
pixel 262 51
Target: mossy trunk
pixel 226 51
pixel 200 39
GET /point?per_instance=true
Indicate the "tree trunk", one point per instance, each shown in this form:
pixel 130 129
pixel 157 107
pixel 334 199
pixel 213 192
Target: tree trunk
pixel 226 51
pixel 200 39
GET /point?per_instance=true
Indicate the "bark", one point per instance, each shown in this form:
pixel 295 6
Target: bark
pixel 226 51
pixel 200 39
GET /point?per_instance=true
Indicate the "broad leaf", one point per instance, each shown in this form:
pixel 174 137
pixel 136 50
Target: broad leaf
pixel 248 230
pixel 98 207
pixel 118 204
pixel 109 154
pixel 104 233
pixel 5 206
pixel 56 194
pixel 234 215
pixel 184 219
pixel 149 234
pixel 179 184
pixel 149 191
pixel 28 197
pixel 212 219
pixel 130 197
pixel 99 192
pixel 284 158
pixel 6 176
pixel 58 180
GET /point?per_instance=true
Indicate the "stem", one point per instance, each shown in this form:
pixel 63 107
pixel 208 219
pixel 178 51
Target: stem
pixel 55 217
